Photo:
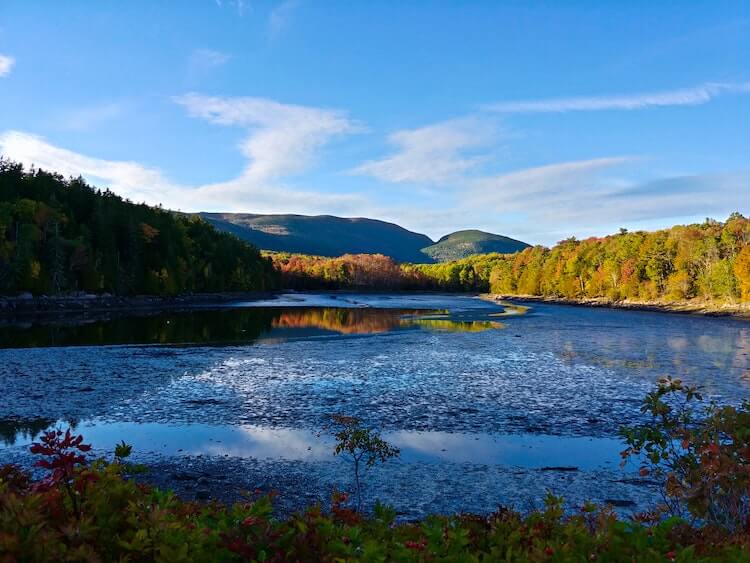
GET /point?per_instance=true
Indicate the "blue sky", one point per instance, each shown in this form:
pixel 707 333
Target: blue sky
pixel 538 120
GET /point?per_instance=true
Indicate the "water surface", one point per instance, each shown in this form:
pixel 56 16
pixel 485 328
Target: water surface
pixel 486 398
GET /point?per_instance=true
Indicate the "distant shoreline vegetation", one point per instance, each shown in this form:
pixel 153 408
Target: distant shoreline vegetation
pixel 707 263
pixel 61 236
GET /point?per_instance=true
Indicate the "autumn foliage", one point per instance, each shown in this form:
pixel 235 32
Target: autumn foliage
pixel 706 262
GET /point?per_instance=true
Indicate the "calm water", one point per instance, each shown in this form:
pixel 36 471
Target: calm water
pixel 495 404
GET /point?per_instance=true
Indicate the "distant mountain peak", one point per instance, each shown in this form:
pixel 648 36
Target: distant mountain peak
pixel 328 235
pixel 461 244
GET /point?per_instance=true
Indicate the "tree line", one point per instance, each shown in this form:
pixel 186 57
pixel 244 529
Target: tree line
pixel 62 235
pixel 709 261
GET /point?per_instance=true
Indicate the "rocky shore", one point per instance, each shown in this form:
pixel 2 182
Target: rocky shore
pixel 738 310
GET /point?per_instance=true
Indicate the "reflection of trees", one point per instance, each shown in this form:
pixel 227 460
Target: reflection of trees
pixel 198 326
pixel 228 325
pixel 369 321
pixel 344 321
pixel 448 325
pixel 11 429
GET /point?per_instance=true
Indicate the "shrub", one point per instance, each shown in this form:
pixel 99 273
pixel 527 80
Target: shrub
pixel 362 446
pixel 701 455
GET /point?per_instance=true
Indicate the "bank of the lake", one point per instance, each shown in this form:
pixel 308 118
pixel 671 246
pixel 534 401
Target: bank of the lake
pixel 695 307
pixel 28 304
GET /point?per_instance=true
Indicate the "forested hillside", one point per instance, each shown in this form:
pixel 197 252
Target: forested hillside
pixel 59 235
pixel 708 262
pixel 324 235
pixel 462 244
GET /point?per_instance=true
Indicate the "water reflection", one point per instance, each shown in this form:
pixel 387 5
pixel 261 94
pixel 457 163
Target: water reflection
pixel 704 350
pixel 19 430
pixel 296 444
pixel 228 325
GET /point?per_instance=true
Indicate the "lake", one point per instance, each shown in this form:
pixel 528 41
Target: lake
pixel 490 404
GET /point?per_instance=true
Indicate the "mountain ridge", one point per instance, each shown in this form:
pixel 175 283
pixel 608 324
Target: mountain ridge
pixel 330 235
pixel 461 244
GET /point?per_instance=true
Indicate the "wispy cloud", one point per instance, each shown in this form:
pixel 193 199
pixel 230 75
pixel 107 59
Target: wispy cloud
pixel 280 15
pixel 130 179
pixel 6 65
pixel 147 184
pixel 239 5
pixel 582 196
pixel 548 180
pixel 694 96
pixel 282 140
pixel 435 154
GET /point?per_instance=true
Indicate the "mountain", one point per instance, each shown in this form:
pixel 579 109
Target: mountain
pixel 465 243
pixel 324 235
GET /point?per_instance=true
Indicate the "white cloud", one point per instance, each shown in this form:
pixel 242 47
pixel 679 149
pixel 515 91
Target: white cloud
pixel 6 64
pixel 552 179
pixel 584 197
pixel 282 140
pixel 147 184
pixel 435 154
pixel 128 179
pixel 697 95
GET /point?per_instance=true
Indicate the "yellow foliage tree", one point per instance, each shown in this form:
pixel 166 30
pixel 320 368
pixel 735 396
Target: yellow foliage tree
pixel 742 271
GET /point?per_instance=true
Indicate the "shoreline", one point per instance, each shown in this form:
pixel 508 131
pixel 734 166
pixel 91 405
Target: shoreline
pixel 28 305
pixel 737 311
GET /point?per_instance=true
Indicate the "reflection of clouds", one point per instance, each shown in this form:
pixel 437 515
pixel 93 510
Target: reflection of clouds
pixel 513 450
pixel 274 443
pixel 678 343
pixel 713 344
pixel 446 445
pixel 299 444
